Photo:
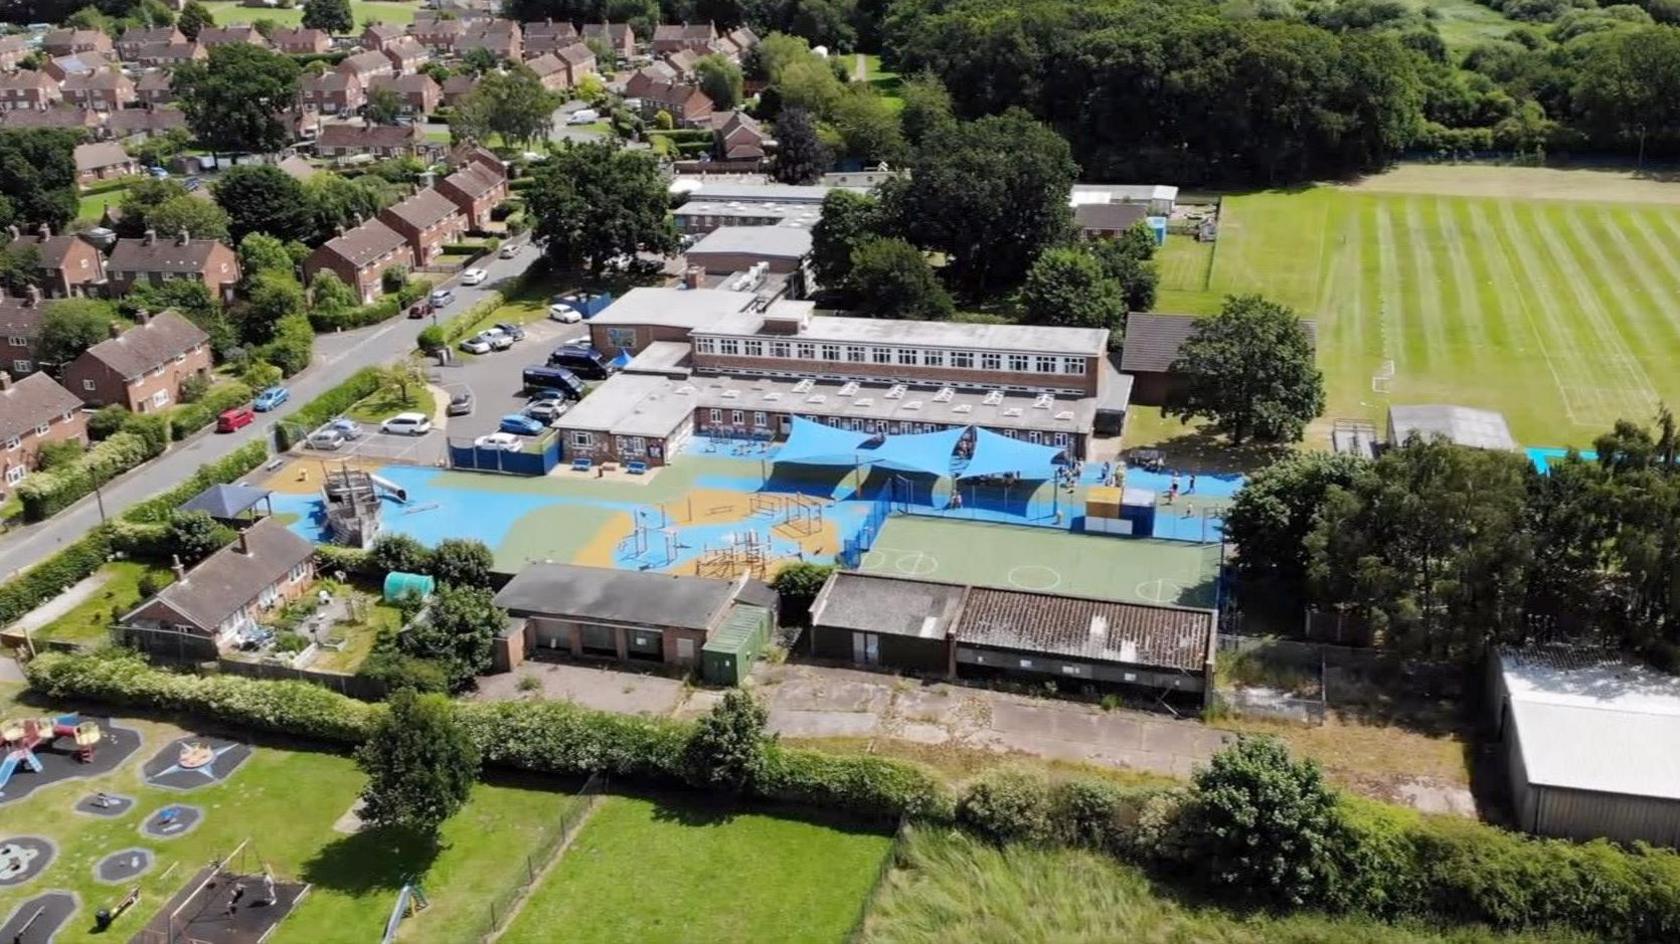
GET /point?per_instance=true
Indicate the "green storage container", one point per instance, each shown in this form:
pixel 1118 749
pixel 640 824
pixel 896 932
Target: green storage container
pixel 399 585
pixel 728 656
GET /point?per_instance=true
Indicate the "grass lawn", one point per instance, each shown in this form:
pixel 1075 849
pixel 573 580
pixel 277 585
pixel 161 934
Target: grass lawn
pixel 1465 23
pixel 527 306
pixel 954 887
pixel 648 871
pixel 90 620
pixel 227 12
pixel 389 401
pixel 374 616
pixel 1556 312
pixel 92 206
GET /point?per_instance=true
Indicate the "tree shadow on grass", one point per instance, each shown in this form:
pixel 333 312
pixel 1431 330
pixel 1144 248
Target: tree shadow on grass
pixel 1207 451
pixel 377 859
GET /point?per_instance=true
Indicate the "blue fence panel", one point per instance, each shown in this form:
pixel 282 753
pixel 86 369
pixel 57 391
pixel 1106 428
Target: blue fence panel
pixel 474 459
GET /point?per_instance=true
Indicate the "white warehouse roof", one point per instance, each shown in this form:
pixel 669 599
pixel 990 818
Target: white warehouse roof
pixel 1466 426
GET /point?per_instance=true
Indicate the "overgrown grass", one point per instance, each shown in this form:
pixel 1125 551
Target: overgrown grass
pixel 89 622
pixel 953 887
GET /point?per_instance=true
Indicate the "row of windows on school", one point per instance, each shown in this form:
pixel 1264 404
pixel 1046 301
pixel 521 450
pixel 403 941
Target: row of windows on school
pixel 761 421
pixel 902 356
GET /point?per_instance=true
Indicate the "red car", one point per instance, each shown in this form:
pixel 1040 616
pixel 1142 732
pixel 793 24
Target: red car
pixel 230 420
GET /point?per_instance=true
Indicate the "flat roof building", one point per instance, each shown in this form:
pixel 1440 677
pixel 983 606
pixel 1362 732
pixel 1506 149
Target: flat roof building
pixel 1464 425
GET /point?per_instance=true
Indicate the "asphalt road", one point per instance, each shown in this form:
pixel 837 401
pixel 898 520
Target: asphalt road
pixel 336 358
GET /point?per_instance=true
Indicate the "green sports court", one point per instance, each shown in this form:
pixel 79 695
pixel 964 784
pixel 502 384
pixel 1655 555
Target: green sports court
pixel 1135 570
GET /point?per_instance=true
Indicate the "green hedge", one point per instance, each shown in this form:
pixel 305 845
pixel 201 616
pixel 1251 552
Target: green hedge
pixel 371 314
pixel 354 561
pixel 228 468
pixel 45 494
pixel 361 384
pixel 54 575
pixel 192 417
pixel 454 329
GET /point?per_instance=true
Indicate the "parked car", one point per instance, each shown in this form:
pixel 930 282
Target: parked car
pixel 504 441
pixel 521 424
pixel 230 420
pixel 476 345
pixel 583 116
pixel 511 330
pixel 498 339
pixel 473 276
pixel 565 314
pixel 553 381
pixel 325 439
pixel 417 310
pixel 442 297
pixel 270 398
pixel 461 403
pixel 508 252
pixel 583 360
pixel 350 429
pixel 546 410
pixel 407 424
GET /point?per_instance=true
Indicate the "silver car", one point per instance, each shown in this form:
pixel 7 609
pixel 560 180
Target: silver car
pixel 326 439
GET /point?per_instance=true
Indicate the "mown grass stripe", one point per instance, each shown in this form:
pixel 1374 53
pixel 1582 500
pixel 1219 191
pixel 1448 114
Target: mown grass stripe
pixel 1423 312
pixel 1503 327
pixel 1630 278
pixel 1655 246
pixel 1467 323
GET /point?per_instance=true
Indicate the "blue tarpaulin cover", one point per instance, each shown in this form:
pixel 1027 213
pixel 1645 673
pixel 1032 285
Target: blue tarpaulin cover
pixel 813 443
pixel 995 454
pixel 917 452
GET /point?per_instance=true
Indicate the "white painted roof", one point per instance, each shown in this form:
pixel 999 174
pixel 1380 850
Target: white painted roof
pixel 673 307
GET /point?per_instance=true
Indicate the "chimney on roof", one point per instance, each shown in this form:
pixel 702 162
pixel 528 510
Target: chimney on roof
pixel 244 544
pixel 149 238
pixel 182 239
pixel 359 219
pixel 44 230
pixel 33 296
pixel 115 328
pixel 13 231
pixel 180 572
pixel 5 381
pixel 694 276
pixel 143 316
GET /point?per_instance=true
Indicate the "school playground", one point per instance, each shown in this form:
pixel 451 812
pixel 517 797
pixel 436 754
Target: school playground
pixel 722 508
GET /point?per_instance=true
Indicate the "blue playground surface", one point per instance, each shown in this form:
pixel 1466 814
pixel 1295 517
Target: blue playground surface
pixel 1544 456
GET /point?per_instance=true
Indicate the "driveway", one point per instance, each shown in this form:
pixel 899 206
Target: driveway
pixel 598 687
pixel 494 378
pixel 336 358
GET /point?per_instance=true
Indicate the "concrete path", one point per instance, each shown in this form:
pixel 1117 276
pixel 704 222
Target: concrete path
pixel 598 687
pixel 78 593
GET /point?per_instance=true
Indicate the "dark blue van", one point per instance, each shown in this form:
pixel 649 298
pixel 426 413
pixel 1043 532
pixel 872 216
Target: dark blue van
pixel 583 360
pixel 539 377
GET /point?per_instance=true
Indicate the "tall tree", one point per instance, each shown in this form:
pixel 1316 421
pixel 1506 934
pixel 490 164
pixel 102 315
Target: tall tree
pixel 1270 518
pixel 259 253
pixel 892 279
pixel 513 104
pixel 457 632
pixel 720 79
pixel 70 326
pixel 38 177
pixel 868 128
pixel 194 17
pixel 383 106
pixel 801 157
pixel 848 220
pixel 990 194
pixel 1069 288
pixel 331 15
pixel 1129 261
pixel 420 762
pixel 593 202
pixel 273 295
pixel 336 201
pixel 1250 370
pixel 727 748
pixel 195 216
pixel 927 108
pixel 262 198
pixel 233 101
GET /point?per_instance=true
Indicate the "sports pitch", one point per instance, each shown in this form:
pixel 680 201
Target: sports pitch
pixel 1557 312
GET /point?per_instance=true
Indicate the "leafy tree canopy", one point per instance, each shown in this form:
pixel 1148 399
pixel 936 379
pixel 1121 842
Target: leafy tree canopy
pixel 1250 369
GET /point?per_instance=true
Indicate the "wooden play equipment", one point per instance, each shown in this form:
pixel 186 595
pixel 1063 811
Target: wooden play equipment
pixel 746 552
pixel 20 738
pixel 352 500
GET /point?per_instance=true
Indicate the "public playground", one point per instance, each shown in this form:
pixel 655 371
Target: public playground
pixel 726 507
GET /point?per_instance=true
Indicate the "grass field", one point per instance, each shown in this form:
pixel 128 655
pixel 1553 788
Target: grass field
pixel 227 12
pixel 954 887
pixel 648 872
pixel 1465 23
pixel 1556 312
pixel 90 621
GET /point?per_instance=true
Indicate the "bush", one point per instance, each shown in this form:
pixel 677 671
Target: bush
pixel 797 585
pixel 396 671
pixel 726 749
pixel 457 327
pixel 106 420
pixel 328 405
pixel 45 494
pixel 431 338
pixel 292 347
pixel 370 314
pixel 1008 805
pixel 354 561
pixel 54 575
pixel 188 419
pixel 193 388
pixel 184 421
pixel 393 278
pixel 153 428
pixel 398 552
pixel 463 562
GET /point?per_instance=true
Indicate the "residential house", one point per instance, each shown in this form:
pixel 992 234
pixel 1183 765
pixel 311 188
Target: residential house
pixel 437 35
pixel 407 55
pixel 547 36
pixel 645 79
pixel 104 160
pixel 35 411
pixel 468 152
pixel 169 55
pixel 154 88
pixel 476 190
pixel 739 136
pixel 360 256
pixel 618 37
pixel 502 38
pixel 738 42
pixel 687 105
pixel 28 89
pixel 145 122
pixel 426 221
pixel 150 259
pixel 579 61
pixel 332 93
pixel 136 39
pixel 57 116
pixel 301 41
pixel 68 42
pixel 457 87
pixel 348 140
pixel 670 37
pixel 20 325
pixel 366 65
pixel 80 63
pixel 379 35
pixel 13 50
pixel 419 94
pixel 212 36
pixel 550 71
pixel 71 265
pixel 209 608
pixel 104 91
pixel 682 62
pixel 141 368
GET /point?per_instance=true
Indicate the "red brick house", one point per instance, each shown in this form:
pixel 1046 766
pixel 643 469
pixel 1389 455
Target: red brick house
pixel 20 327
pixel 71 265
pixel 739 136
pixel 682 62
pixel 360 256
pixel 366 65
pixel 332 93
pixel 301 41
pixel 154 260
pixel 579 62
pixel 476 190
pixel 469 152
pixel 348 140
pixel 168 55
pixel 457 87
pixel 35 411
pixel 437 35
pixel 550 71
pixel 58 116
pixel 103 91
pixel 378 35
pixel 13 50
pixel 420 95
pixel 141 368
pixel 68 42
pixel 618 37
pixel 62 67
pixel 28 89
pixel 686 103
pixel 212 36
pixel 426 221
pixel 105 160
pixel 647 78
pixel 154 88
pixel 501 37
pixel 144 122
pixel 670 37
pixel 136 39
pixel 406 54
pixel 738 42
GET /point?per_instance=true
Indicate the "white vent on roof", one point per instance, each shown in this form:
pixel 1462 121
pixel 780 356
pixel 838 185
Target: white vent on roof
pixel 731 394
pixel 963 408
pixel 864 401
pixel 912 404
pixel 944 395
pixel 1044 402
pixel 804 386
pixel 777 395
pixel 816 398
pixel 1065 415
pixel 686 389
pixel 895 392
pixel 993 397
pixel 849 388
pixel 1012 411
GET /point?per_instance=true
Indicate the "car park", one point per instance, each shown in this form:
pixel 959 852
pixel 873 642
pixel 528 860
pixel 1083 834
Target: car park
pixel 473 276
pixel 442 297
pixel 583 360
pixel 511 330
pixel 461 403
pixel 270 398
pixel 326 439
pixel 349 429
pixel 546 410
pixel 504 441
pixel 498 339
pixel 476 345
pixel 230 420
pixel 521 424
pixel 565 314
pixel 407 424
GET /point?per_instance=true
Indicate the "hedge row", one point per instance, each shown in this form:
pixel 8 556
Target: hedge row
pixel 191 417
pixel 54 575
pixel 45 494
pixel 362 383
pixel 373 313
pixel 228 468
pixel 457 327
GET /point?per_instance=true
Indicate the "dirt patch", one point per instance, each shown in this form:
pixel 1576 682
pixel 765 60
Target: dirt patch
pixel 1372 759
pixel 1522 183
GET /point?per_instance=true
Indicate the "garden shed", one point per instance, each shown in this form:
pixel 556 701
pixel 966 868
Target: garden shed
pixel 728 657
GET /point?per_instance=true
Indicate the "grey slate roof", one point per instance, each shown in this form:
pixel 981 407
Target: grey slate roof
pixel 225 501
pixel 32 401
pixel 166 254
pixel 231 577
pixel 424 209
pixel 366 243
pixel 1109 216
pixel 19 318
pixel 1153 340
pixel 144 347
pixel 619 597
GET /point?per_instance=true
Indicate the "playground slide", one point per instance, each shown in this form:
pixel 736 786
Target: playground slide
pixel 9 765
pixel 397 491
